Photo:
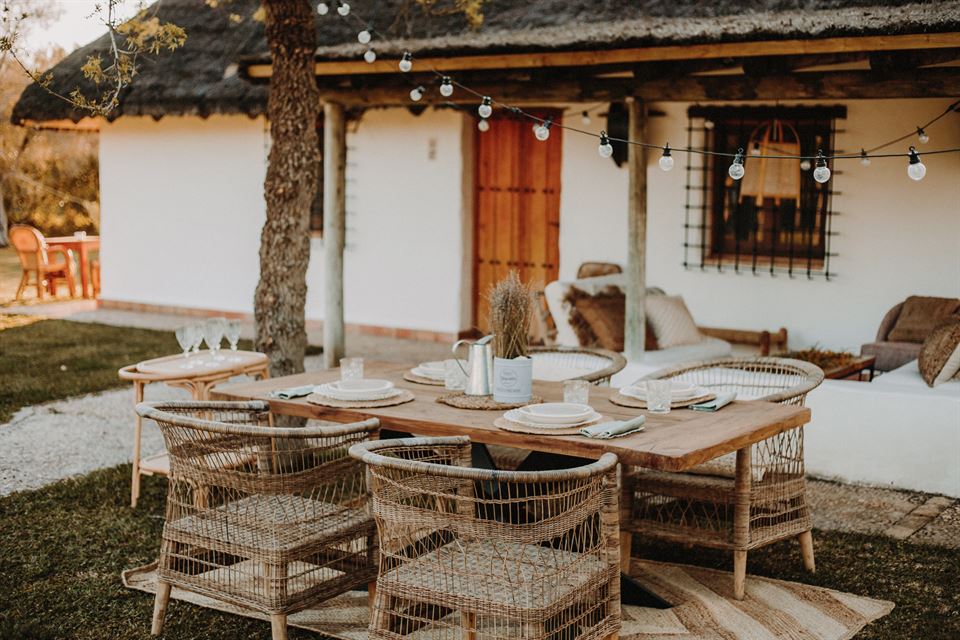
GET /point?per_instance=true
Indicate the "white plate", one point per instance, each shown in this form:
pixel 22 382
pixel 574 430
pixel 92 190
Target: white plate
pixel 356 389
pixel 437 367
pixel 562 413
pixel 428 373
pixel 333 395
pixel 521 418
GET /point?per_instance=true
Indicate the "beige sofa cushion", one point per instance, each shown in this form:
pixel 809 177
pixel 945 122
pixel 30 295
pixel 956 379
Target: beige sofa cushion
pixel 671 321
pixel 919 316
pixel 940 356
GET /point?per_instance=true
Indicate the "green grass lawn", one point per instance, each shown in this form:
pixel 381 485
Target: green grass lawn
pixel 62 549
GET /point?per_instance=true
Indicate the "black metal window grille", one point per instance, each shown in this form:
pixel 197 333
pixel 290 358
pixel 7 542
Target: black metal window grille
pixel 724 231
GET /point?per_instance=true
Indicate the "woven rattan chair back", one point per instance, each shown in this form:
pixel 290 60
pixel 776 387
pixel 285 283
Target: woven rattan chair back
pixel 273 519
pixel 575 363
pixel 475 553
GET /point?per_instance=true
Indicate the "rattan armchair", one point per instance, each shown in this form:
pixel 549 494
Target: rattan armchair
pixel 575 363
pixel 271 519
pixel 741 501
pixel 468 553
pixel 37 259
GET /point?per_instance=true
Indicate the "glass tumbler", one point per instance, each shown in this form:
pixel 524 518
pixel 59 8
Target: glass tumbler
pixel 576 391
pixel 351 369
pixel 658 396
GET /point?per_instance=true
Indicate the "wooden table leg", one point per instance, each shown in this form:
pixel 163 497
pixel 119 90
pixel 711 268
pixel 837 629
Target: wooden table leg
pixel 137 431
pixel 84 269
pixel 741 520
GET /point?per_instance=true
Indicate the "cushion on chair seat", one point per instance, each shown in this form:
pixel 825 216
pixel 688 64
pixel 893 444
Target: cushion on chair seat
pixel 891 355
pixel 920 315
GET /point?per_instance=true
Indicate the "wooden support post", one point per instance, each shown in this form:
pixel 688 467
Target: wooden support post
pixel 334 223
pixel 635 330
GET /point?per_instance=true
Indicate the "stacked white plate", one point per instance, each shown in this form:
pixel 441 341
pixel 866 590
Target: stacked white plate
pixel 434 370
pixel 679 390
pixel 346 390
pixel 553 415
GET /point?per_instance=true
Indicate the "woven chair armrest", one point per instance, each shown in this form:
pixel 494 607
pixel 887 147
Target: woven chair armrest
pixel 367 452
pixel 59 248
pixel 159 411
pixel 813 374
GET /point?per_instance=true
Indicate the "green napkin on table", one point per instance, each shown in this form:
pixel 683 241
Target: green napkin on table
pixel 292 392
pixel 722 400
pixel 614 429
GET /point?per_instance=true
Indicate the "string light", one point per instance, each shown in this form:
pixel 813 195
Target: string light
pixel 416 93
pixel 343 9
pixel 736 169
pixel 446 87
pixel 585 118
pixel 323 9
pixel 805 165
pixel 542 130
pixel 922 136
pixel 864 158
pixel 666 160
pixel 483 125
pixel 406 62
pixel 916 169
pixel 485 110
pixel 822 173
pixel 370 56
pixel 708 125
pixel 364 36
pixel 605 149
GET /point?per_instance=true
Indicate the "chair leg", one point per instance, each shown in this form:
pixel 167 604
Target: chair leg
pixel 739 574
pixel 468 622
pixel 40 283
pixel 372 597
pixel 23 285
pixel 137 432
pixel 71 284
pixel 806 550
pixel 278 626
pixel 160 608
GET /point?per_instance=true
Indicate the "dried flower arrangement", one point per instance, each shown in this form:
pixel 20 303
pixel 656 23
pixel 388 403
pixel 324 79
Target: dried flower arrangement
pixel 822 358
pixel 510 314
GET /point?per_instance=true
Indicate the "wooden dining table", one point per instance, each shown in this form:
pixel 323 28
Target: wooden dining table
pixel 81 245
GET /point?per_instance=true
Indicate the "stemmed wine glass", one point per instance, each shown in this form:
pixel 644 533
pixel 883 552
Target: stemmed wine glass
pixel 232 332
pixel 197 336
pixel 213 334
pixel 186 336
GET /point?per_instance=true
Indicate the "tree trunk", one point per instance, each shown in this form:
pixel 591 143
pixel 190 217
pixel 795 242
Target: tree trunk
pixel 292 173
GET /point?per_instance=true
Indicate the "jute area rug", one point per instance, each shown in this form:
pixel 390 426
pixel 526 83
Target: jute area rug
pixel 704 608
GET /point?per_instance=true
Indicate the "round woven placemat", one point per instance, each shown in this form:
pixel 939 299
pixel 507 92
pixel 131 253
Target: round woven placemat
pixel 636 403
pixel 509 425
pixel 482 403
pixel 324 401
pixel 409 376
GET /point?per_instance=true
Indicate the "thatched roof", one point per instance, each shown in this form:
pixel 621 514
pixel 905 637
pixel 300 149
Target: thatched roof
pixel 201 79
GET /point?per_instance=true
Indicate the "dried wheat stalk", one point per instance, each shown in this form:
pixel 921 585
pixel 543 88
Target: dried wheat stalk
pixel 510 312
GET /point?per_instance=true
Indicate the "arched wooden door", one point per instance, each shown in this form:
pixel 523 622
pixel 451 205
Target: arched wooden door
pixel 517 209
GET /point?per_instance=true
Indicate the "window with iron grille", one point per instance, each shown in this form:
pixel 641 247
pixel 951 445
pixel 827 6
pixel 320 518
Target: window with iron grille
pixel 777 218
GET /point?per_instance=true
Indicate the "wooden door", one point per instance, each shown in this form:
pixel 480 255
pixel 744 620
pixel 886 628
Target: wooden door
pixel 517 209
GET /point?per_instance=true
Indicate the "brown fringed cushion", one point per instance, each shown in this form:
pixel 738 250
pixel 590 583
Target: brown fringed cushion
pixel 598 320
pixel 920 315
pixel 940 356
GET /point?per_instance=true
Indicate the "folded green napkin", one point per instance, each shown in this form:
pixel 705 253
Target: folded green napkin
pixel 292 392
pixel 614 429
pixel 722 400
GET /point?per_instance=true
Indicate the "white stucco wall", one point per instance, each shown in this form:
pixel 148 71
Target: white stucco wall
pixel 896 237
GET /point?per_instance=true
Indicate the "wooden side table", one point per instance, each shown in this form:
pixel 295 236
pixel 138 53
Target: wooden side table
pixel 856 367
pixel 203 375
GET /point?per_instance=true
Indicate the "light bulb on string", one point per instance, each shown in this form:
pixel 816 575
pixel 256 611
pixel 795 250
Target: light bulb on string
pixel 916 169
pixel 343 9
pixel 323 9
pixel 370 56
pixel 416 94
pixel 822 173
pixel 585 118
pixel 922 136
pixel 805 165
pixel 605 149
pixel 483 125
pixel 485 109
pixel 736 169
pixel 864 158
pixel 406 62
pixel 446 87
pixel 364 36
pixel 708 125
pixel 666 160
pixel 542 130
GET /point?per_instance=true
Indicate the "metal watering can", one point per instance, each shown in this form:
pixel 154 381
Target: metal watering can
pixel 479 369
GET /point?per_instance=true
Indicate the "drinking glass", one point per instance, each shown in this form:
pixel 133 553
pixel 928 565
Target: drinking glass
pixel 453 377
pixel 658 396
pixel 351 369
pixel 213 335
pixel 197 336
pixel 576 391
pixel 232 331
pixel 185 339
